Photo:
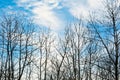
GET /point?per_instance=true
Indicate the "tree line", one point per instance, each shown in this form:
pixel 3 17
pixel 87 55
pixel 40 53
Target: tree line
pixel 88 51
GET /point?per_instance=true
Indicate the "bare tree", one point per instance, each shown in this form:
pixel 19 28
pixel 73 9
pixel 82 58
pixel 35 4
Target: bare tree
pixel 16 47
pixel 110 35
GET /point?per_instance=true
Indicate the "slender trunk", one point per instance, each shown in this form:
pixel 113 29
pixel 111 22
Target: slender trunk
pixel 79 57
pixel 46 62
pixel 90 68
pixel 116 46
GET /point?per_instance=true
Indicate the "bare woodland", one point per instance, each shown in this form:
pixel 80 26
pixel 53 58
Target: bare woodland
pixel 84 52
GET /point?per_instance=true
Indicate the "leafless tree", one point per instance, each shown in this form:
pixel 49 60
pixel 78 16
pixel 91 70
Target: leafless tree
pixel 109 36
pixel 16 47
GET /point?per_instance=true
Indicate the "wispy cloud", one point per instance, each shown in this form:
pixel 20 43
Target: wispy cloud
pixel 43 12
pixel 76 7
pixel 45 16
pixel 82 7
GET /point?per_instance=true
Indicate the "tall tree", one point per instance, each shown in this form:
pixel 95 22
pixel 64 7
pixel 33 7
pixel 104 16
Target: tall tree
pixel 108 33
pixel 15 46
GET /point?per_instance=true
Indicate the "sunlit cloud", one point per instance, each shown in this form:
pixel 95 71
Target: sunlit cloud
pixel 79 8
pixel 43 12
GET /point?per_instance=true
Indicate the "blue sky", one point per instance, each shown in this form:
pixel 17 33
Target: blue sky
pixel 55 14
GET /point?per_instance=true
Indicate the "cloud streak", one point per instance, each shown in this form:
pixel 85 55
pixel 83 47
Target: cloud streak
pixel 43 12
pixel 79 8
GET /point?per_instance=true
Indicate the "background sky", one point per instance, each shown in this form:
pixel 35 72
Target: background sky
pixel 55 14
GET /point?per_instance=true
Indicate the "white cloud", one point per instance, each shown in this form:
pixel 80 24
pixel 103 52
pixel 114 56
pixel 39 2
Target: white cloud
pixel 95 4
pixel 79 8
pixel 79 11
pixel 43 11
pixel 45 16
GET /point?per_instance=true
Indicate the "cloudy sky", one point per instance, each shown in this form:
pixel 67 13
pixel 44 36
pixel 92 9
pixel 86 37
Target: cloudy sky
pixel 53 13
